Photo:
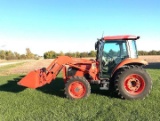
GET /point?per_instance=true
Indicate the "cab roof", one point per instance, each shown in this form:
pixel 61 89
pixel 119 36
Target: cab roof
pixel 121 37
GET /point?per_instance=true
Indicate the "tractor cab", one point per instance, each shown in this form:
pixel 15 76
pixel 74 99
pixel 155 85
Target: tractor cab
pixel 112 50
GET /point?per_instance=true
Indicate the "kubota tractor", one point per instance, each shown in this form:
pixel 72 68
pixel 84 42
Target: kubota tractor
pixel 117 67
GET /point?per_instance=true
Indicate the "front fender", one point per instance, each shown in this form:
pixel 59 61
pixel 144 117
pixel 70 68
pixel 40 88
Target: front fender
pixel 129 61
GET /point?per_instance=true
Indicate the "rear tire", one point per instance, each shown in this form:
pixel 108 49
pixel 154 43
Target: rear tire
pixel 77 88
pixel 133 82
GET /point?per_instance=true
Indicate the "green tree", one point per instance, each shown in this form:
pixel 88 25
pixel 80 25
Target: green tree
pixel 17 55
pixel 29 54
pixel 61 53
pixel 23 56
pixel 77 54
pixel 50 55
pixel 158 52
pixel 92 54
pixel 9 55
pixel 2 54
pixel 68 54
pixel 84 54
pixel 142 52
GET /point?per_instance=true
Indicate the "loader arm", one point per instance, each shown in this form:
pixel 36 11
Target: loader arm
pixel 40 77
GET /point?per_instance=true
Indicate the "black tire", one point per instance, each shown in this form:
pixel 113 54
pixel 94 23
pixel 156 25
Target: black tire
pixel 133 82
pixel 77 88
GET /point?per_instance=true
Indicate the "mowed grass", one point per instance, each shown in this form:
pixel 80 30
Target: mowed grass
pixel 49 103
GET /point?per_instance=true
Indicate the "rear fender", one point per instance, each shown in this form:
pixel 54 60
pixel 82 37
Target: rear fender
pixel 129 61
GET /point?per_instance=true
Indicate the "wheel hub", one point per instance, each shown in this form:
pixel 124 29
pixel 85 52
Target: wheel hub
pixel 77 89
pixel 134 84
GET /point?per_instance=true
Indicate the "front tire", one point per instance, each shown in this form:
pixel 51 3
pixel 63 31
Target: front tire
pixel 133 82
pixel 77 88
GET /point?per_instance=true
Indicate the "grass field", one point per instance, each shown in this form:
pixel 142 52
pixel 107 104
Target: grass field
pixel 48 103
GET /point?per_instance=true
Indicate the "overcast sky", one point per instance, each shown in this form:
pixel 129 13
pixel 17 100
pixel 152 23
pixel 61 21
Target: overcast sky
pixel 75 25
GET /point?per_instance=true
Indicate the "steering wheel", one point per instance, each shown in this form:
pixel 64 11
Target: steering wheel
pixel 109 56
pixel 106 60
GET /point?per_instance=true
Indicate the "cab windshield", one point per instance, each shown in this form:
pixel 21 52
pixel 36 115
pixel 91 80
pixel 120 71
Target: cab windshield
pixel 115 50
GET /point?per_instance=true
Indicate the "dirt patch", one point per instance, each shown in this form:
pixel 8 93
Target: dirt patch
pixel 30 65
pixel 154 63
pixel 151 59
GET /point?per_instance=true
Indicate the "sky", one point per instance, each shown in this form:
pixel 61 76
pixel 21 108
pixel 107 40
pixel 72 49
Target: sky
pixel 75 25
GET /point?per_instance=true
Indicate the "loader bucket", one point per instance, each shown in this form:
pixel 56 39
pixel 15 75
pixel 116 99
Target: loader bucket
pixel 31 80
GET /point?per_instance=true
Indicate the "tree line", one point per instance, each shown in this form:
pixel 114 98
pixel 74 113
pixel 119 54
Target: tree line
pixel 152 52
pixel 9 55
pixel 53 54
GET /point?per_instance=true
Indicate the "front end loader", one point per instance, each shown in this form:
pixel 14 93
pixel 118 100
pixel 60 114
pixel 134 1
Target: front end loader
pixel 116 67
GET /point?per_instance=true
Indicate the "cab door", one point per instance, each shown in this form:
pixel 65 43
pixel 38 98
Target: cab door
pixel 113 53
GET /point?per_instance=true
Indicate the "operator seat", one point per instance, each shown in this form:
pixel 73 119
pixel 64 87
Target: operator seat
pixel 107 64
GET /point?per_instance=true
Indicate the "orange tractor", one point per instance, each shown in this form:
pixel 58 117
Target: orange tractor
pixel 117 67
